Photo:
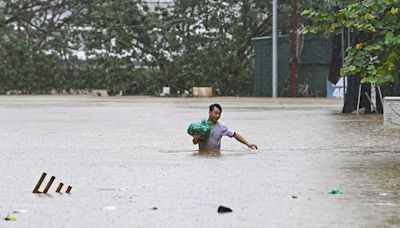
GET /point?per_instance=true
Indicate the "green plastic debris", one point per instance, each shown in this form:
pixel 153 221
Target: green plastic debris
pixel 203 127
pixel 335 192
pixel 9 218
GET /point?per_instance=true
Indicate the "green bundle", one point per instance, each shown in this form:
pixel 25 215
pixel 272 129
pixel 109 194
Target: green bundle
pixel 203 127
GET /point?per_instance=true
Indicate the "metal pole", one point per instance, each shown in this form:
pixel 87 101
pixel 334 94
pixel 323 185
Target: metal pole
pixel 274 50
pixel 343 78
pixel 359 97
pixel 348 45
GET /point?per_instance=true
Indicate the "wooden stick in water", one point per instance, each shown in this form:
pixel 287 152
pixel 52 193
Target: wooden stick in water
pixel 36 190
pixel 59 187
pixel 49 184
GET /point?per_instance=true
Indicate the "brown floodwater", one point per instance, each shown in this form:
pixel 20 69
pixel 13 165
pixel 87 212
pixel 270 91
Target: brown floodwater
pixel 131 163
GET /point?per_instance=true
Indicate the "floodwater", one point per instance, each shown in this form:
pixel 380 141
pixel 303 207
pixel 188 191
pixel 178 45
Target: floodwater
pixel 131 164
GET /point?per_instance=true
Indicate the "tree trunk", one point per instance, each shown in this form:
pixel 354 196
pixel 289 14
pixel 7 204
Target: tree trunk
pixel 293 49
pixel 379 105
pixel 336 59
pixel 365 102
pixel 351 96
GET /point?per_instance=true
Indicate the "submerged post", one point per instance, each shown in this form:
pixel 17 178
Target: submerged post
pixel 59 187
pixel 36 190
pixel 49 184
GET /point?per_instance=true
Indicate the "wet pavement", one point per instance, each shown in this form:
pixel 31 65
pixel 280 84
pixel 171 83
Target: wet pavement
pixel 131 164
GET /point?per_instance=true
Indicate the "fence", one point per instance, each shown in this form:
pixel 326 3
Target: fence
pixel 314 55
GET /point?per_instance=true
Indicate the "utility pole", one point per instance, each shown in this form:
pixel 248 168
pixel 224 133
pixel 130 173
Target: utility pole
pixel 274 50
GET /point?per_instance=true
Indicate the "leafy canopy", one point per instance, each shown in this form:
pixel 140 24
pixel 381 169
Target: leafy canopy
pixel 377 22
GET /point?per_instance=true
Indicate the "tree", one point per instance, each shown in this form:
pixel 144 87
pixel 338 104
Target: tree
pixel 208 43
pixel 375 57
pixel 129 47
pixel 40 42
pixel 118 37
pixel 374 53
pixel 34 41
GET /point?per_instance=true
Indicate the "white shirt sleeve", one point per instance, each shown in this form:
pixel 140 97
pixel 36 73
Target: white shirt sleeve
pixel 227 131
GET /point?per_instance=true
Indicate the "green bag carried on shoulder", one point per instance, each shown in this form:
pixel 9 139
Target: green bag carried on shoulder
pixel 203 127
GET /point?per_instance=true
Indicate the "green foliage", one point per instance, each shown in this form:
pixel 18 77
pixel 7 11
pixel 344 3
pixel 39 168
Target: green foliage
pixel 207 43
pixel 376 57
pixel 192 43
pixel 40 40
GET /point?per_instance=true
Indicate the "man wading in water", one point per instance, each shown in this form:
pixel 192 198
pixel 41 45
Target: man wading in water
pixel 218 129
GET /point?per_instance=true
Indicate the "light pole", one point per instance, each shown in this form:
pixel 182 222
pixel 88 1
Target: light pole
pixel 274 50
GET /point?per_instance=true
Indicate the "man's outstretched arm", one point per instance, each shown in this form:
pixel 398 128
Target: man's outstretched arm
pixel 240 138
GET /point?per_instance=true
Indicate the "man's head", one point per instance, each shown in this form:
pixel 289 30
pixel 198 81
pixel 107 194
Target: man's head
pixel 215 112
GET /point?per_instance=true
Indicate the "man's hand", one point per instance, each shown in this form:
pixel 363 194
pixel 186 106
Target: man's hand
pixel 240 138
pixel 196 138
pixel 252 146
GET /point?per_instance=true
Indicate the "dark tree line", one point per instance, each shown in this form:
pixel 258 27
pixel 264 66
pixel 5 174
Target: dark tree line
pixel 125 46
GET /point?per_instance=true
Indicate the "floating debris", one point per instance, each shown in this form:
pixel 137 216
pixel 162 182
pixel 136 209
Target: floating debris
pixel 223 209
pixel 9 218
pixel 335 192
pixel 20 211
pixel 384 194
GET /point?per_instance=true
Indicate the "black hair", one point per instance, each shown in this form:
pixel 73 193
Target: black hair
pixel 215 106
